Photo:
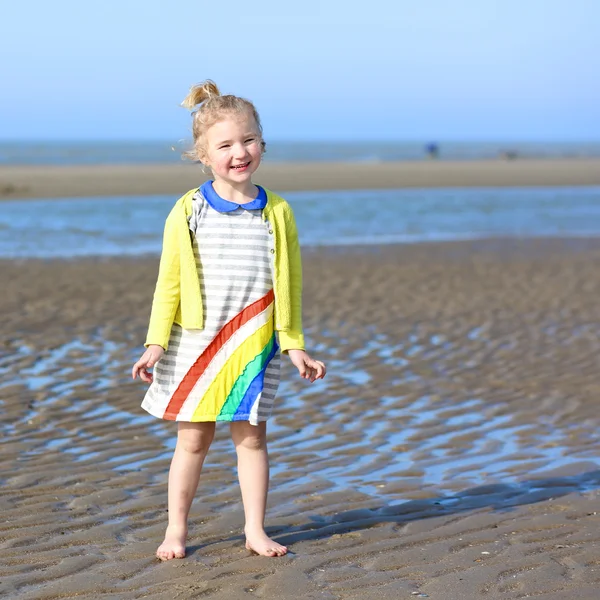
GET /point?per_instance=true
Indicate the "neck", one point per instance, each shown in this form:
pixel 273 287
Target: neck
pixel 238 193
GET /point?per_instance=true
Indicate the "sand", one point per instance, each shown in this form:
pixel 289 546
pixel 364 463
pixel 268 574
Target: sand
pixel 423 464
pixel 106 180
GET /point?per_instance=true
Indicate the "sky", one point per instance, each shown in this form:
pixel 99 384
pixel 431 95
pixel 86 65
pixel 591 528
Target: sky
pixel 523 70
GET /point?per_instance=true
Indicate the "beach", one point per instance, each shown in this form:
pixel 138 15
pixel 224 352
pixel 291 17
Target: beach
pixel 450 453
pixel 20 181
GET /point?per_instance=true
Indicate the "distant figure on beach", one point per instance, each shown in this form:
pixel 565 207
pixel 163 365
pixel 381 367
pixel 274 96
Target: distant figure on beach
pixel 432 150
pixel 509 154
pixel 227 302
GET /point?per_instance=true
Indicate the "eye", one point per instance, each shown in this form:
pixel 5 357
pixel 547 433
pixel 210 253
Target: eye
pixel 250 140
pixel 223 146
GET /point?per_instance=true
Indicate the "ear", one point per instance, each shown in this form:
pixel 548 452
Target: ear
pixel 206 168
pixel 202 154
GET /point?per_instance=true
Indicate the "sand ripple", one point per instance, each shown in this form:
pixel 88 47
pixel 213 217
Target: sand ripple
pixel 451 451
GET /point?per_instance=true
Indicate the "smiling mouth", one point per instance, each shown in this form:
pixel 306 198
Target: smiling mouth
pixel 241 167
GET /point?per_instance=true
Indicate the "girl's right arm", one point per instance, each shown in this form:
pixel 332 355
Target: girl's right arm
pixel 164 305
pixel 167 291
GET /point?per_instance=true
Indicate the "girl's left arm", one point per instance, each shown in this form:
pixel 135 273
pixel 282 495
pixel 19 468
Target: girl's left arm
pixel 308 367
pixel 295 262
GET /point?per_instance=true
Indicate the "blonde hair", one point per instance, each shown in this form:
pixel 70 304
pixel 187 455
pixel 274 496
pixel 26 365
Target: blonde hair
pixel 213 107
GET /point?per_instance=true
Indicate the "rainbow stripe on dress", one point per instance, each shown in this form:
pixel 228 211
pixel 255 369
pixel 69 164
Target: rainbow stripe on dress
pixel 226 380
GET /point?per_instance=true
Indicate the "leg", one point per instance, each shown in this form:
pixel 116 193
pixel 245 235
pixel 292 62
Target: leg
pixel 193 442
pixel 253 472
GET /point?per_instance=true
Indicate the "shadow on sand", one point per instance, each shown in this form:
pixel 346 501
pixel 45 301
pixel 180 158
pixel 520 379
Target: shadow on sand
pixel 498 496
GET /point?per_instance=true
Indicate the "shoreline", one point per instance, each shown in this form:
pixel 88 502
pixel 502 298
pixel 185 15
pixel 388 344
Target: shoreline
pixel 501 245
pixel 28 182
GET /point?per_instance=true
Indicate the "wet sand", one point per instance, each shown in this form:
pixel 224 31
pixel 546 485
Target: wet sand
pixel 123 180
pixel 451 452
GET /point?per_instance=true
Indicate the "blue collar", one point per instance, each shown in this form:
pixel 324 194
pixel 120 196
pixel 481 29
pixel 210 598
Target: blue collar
pixel 222 205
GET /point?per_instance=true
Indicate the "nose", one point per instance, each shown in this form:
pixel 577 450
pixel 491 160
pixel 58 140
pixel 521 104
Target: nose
pixel 239 151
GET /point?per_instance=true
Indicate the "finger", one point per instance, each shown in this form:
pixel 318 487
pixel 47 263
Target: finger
pixel 141 365
pixel 145 376
pixel 321 370
pixel 135 370
pixel 312 363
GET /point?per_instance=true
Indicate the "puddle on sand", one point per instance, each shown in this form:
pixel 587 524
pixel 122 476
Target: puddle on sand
pixel 429 441
pixel 390 444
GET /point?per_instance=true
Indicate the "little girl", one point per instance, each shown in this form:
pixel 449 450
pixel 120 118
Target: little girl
pixel 227 300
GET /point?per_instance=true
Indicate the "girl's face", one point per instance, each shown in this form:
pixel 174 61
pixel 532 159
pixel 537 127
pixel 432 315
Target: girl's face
pixel 233 149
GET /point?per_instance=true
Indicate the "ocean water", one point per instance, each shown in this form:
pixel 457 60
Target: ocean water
pixel 137 152
pixel 132 226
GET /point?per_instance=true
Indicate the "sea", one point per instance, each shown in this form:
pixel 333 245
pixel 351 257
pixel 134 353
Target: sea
pixel 132 225
pixel 170 151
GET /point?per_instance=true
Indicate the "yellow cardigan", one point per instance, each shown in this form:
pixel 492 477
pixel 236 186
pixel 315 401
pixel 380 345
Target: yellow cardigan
pixel 177 295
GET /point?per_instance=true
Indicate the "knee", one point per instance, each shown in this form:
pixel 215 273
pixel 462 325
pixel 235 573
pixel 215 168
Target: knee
pixel 251 438
pixel 195 446
pixel 253 442
pixel 194 441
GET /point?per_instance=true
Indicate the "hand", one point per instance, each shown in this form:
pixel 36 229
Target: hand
pixel 152 355
pixel 308 367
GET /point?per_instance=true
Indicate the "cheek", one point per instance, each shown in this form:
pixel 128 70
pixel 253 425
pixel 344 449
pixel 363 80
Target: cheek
pixel 220 161
pixel 255 151
pixel 213 156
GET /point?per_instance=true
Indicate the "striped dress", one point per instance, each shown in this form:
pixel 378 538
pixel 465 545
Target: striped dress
pixel 228 371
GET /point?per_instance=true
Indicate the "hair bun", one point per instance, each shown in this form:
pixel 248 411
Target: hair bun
pixel 199 93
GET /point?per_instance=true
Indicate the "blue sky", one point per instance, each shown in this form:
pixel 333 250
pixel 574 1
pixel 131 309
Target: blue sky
pixel 383 69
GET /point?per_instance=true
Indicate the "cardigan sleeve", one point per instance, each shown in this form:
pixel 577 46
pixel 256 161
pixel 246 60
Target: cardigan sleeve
pixel 167 293
pixel 293 338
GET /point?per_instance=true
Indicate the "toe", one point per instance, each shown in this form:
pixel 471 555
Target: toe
pixel 167 555
pixel 265 546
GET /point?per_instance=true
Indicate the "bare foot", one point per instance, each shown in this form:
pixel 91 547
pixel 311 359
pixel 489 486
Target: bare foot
pixel 174 544
pixel 262 544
